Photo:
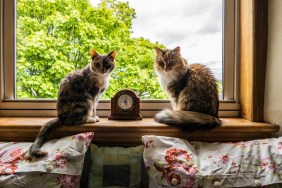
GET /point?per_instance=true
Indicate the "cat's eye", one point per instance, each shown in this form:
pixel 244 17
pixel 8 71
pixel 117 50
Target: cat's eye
pixel 97 65
pixel 107 66
pixel 161 63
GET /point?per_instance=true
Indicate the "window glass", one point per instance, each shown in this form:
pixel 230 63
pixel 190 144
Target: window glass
pixel 54 38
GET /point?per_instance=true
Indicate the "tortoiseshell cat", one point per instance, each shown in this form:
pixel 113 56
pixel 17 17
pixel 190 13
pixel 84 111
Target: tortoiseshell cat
pixel 78 97
pixel 192 90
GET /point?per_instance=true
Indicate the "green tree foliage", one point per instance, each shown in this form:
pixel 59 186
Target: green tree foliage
pixel 54 38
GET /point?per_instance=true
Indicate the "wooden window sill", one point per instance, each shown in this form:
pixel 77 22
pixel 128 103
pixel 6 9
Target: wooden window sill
pixel 127 133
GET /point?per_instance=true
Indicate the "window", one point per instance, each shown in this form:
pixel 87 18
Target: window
pixel 17 102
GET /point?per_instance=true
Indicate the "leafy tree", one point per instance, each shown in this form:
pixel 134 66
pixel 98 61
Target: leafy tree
pixel 54 38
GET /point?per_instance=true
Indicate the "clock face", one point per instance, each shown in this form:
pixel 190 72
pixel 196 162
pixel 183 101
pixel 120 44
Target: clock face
pixel 125 101
pixel 125 105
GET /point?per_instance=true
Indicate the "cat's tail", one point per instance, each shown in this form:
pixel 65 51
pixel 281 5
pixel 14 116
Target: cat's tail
pixel 42 136
pixel 187 120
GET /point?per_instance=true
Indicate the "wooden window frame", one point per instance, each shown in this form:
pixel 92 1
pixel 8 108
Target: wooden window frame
pixel 251 53
pixel 9 106
pixel 253 57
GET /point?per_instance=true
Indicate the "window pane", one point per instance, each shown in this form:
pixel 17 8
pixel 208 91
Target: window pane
pixel 54 38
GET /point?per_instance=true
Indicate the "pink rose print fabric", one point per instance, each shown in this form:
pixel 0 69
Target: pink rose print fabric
pixel 175 162
pixel 67 181
pixel 62 166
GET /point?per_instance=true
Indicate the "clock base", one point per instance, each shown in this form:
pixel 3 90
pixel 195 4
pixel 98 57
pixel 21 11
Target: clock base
pixel 125 117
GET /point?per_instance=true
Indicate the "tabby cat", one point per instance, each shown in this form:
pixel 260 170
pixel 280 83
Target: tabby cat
pixel 192 90
pixel 78 97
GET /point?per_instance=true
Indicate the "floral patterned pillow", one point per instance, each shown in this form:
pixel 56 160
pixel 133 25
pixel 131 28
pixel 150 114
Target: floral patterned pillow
pixel 60 168
pixel 175 162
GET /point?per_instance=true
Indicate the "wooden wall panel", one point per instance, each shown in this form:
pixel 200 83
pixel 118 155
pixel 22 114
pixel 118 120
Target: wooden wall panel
pixel 253 53
pixel 246 56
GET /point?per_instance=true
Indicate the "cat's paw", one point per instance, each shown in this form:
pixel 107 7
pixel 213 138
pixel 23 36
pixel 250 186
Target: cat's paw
pixel 97 118
pixel 93 119
pixel 37 153
pixel 34 151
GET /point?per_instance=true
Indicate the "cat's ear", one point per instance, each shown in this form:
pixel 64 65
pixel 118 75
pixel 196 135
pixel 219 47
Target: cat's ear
pixel 158 50
pixel 93 53
pixel 112 55
pixel 177 49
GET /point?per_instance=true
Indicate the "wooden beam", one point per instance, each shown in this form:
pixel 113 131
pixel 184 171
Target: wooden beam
pixel 253 57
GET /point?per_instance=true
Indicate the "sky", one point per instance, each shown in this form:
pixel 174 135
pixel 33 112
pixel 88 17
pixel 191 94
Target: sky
pixel 194 25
